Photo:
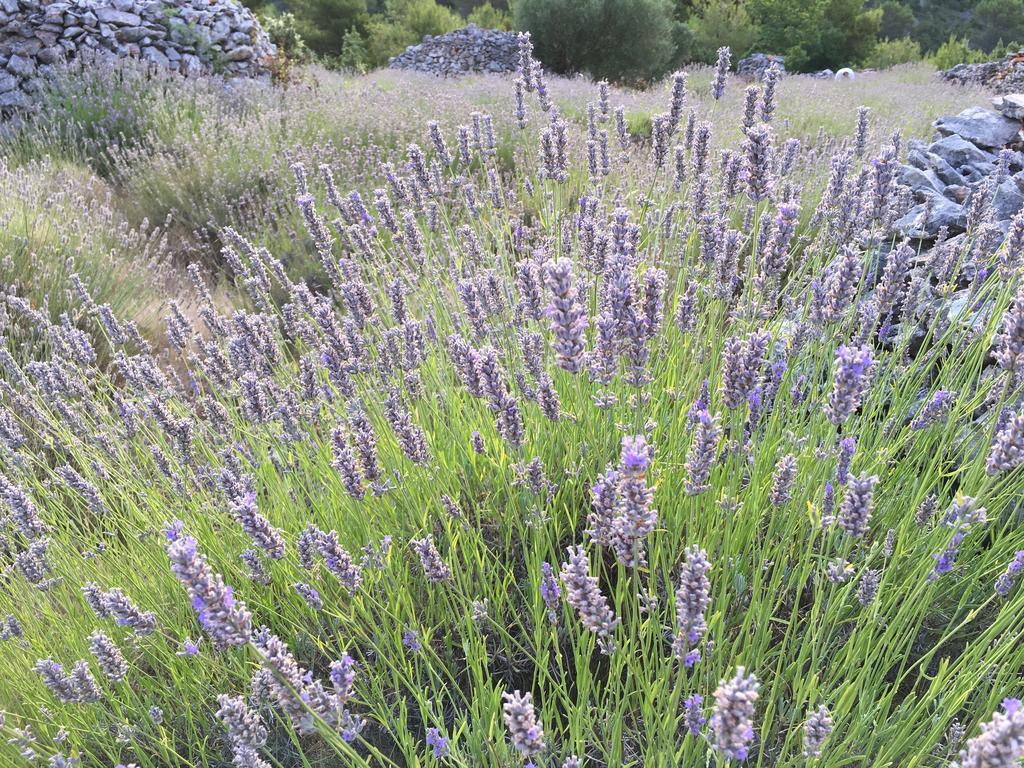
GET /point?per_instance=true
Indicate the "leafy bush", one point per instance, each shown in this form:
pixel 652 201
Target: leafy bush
pixel 889 53
pixel 995 21
pixel 814 34
pixel 620 40
pixel 715 23
pixel 956 50
pixel 405 23
pixel 486 16
pixel 354 56
pixel 323 23
pixel 283 31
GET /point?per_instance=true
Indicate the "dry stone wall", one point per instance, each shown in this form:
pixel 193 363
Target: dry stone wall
pixel 190 36
pixel 471 49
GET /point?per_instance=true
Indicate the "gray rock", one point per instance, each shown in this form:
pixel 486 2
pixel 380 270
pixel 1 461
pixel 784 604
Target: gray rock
pixel 109 15
pixel 241 53
pixel 980 126
pixel 922 182
pixel 959 153
pixel 8 82
pixel 155 55
pixel 1010 105
pixel 15 98
pixel 1008 198
pixel 132 34
pixel 957 193
pixel 925 160
pixel 22 66
pixel 924 221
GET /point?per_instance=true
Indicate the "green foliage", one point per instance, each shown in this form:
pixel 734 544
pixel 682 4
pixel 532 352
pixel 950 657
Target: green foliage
pixel 715 23
pixel 621 40
pixel 897 21
pixel 486 16
pixel 889 53
pixel 323 23
pixel 354 56
pixel 405 23
pixel 814 34
pixel 283 31
pixel 956 50
pixel 997 20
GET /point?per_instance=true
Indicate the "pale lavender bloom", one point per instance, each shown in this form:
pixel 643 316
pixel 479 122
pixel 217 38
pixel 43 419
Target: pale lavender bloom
pixel 847 447
pixel 742 361
pixel 245 728
pixel 861 142
pixel 694 718
pixel 750 98
pixel 771 79
pixel 310 594
pixel 634 518
pixel 57 680
pixel 721 72
pixel 732 720
pixel 851 380
pixel 89 492
pixel 264 536
pixel 550 592
pixel 693 596
pixel 925 510
pixel 433 566
pixel 524 730
pixel 703 452
pixel 782 482
pixel 344 462
pixel 226 620
pixel 936 409
pixel 817 728
pixel 855 511
pixel 109 656
pixel 411 640
pixel 604 499
pixel 567 315
pixel 757 167
pixel 114 603
pixel 677 101
pixel 437 743
pixel 1007 579
pixel 828 504
pixel 1001 741
pixel 583 594
pixel 867 589
pixel 1007 451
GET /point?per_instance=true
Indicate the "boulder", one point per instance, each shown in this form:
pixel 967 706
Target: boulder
pixel 960 153
pixel 924 221
pixel 981 127
pixel 1011 105
pixel 756 64
pixel 1008 198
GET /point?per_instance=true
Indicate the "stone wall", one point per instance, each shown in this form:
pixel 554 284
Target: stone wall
pixel 1005 75
pixel 471 49
pixel 190 36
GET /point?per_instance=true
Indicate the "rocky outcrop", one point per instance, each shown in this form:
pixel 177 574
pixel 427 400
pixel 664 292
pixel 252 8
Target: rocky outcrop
pixel 190 36
pixel 756 64
pixel 975 164
pixel 1005 75
pixel 471 49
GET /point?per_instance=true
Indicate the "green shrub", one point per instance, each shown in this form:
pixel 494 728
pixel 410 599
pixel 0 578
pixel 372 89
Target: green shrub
pixel 486 16
pixel 715 23
pixel 354 57
pixel 405 23
pixel 283 31
pixel 323 23
pixel 956 50
pixel 995 21
pixel 897 21
pixel 889 53
pixel 620 40
pixel 815 34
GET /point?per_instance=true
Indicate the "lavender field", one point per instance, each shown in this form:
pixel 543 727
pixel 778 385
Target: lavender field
pixel 506 421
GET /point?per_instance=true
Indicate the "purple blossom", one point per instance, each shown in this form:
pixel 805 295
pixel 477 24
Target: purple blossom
pixel 851 379
pixel 732 720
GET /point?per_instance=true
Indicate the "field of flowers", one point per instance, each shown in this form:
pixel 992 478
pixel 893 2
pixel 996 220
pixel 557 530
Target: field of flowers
pixel 503 423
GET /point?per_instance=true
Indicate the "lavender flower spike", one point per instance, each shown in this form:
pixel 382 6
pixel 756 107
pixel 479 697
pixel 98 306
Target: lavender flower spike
pixel 851 380
pixel 817 728
pixel 1007 450
pixel 1001 741
pixel 524 731
pixel 568 317
pixel 693 596
pixel 583 594
pixel 721 72
pixel 732 720
pixel 855 512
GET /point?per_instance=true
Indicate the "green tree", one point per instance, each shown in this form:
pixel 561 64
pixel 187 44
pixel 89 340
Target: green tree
pixel 814 34
pixel 323 23
pixel 486 16
pixel 889 53
pixel 621 40
pixel 715 23
pixel 897 21
pixel 996 20
pixel 405 23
